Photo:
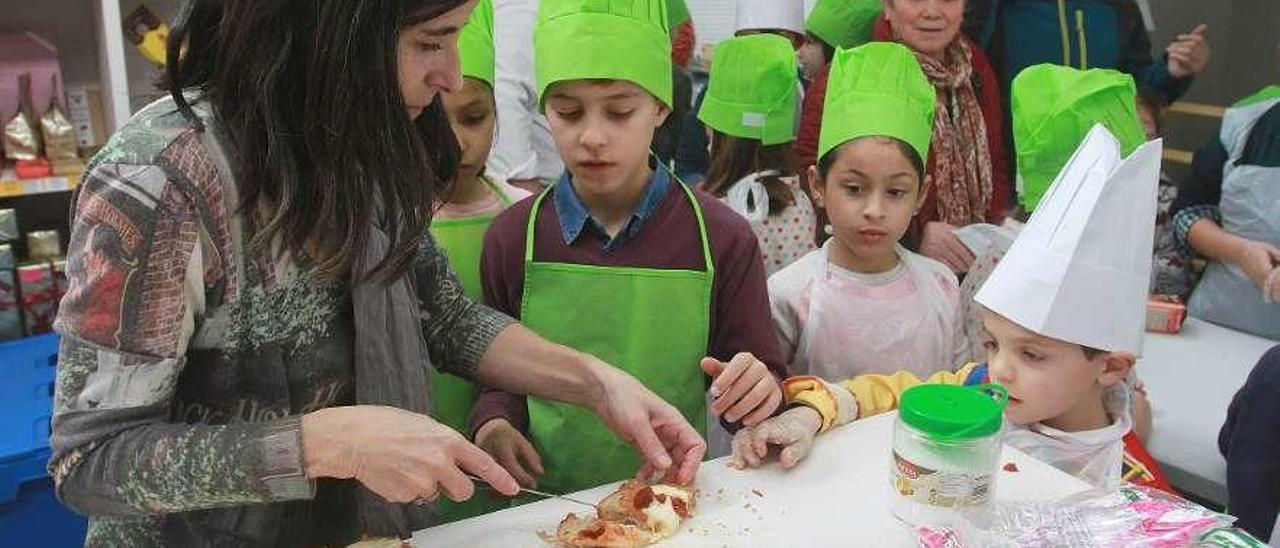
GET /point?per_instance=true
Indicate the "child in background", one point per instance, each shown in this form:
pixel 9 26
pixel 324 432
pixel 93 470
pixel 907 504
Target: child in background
pixel 1171 271
pixel 1054 107
pixel 1064 314
pixel 832 24
pixel 863 303
pixel 750 111
pixel 620 261
pixel 459 223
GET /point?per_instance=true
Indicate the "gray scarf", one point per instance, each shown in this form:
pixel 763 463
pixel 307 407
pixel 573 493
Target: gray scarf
pixel 391 364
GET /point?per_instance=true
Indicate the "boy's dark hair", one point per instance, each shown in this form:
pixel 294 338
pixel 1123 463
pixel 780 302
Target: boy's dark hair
pixel 733 158
pixel 1091 352
pixel 307 95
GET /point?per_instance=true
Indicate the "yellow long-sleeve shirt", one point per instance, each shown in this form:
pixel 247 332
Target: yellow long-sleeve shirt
pixel 872 394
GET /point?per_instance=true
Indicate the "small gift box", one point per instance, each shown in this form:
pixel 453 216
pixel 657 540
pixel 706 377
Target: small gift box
pixel 38 297
pixel 43 245
pixel 8 226
pixel 1165 314
pixel 10 316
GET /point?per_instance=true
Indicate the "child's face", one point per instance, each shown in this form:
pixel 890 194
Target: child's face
pixel 472 114
pixel 1148 119
pixel 1048 380
pixel 811 57
pixel 603 130
pixel 870 193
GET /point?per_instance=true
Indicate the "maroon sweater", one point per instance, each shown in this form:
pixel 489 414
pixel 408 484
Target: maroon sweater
pixel 668 239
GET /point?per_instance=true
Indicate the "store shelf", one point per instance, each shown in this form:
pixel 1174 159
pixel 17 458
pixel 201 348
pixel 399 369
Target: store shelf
pixel 11 187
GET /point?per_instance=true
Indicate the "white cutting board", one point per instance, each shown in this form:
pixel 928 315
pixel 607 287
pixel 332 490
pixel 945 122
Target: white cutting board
pixel 839 496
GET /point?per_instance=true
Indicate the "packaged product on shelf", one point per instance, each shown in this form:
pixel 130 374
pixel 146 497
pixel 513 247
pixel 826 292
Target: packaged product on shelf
pixel 43 245
pixel 8 226
pixel 59 137
pixel 10 317
pixel 21 138
pixel 38 297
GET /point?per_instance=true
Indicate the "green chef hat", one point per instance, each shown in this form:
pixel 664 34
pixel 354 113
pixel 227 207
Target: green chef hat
pixel 752 90
pixel 475 44
pixel 604 39
pixel 877 89
pixel 1054 107
pixel 843 23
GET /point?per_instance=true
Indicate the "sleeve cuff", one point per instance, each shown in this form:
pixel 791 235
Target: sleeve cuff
pixel 813 392
pixel 283 471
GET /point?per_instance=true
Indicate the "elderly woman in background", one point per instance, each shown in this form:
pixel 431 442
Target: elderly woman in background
pixel 968 171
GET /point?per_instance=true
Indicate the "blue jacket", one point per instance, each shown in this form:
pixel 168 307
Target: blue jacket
pixel 1079 33
pixel 1250 441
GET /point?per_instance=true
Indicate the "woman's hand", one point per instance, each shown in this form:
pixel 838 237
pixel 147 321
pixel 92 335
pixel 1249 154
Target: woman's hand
pixel 512 450
pixel 669 445
pixel 941 243
pixel 1258 260
pixel 793 430
pixel 744 389
pixel 400 455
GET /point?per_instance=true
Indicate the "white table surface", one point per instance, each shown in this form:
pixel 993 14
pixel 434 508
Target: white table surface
pixel 838 496
pixel 1191 378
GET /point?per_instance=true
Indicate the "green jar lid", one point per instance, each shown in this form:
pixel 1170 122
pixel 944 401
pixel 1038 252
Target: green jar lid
pixel 949 412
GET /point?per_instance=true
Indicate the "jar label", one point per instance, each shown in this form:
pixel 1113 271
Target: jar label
pixel 945 488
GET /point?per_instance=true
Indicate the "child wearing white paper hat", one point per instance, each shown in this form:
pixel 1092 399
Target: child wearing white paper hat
pixel 1064 316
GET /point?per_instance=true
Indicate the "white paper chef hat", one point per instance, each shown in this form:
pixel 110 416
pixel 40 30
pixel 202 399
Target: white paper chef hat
pixel 771 14
pixel 1080 269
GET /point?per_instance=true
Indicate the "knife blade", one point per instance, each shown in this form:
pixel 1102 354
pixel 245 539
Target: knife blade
pixel 534 492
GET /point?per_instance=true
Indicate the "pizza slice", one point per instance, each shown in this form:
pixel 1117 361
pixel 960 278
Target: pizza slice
pixel 637 514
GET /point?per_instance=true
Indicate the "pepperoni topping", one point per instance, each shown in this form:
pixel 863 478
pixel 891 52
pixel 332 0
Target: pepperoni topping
pixel 593 532
pixel 680 507
pixel 643 498
pixel 1011 467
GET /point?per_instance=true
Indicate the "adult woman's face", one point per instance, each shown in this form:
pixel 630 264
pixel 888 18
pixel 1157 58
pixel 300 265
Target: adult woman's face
pixel 427 58
pixel 926 26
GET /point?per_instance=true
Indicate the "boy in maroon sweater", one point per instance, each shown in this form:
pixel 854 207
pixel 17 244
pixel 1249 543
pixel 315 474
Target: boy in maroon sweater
pixel 620 260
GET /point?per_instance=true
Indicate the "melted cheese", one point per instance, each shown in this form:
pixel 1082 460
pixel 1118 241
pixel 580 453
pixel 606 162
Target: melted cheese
pixel 661 517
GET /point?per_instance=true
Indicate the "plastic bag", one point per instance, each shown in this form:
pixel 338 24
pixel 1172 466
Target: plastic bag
pixel 1131 517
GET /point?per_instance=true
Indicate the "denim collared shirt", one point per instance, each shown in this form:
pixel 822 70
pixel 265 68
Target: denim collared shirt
pixel 575 219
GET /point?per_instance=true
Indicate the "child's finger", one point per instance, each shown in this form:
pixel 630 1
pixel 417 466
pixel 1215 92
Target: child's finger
pixel 764 411
pixel 729 376
pixel 749 401
pixel 712 367
pixel 529 456
pixel 746 381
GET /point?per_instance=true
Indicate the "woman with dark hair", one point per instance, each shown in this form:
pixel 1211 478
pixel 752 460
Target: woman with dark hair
pixel 254 298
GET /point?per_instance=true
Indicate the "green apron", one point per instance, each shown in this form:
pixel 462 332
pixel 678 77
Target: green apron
pixel 652 323
pixel 453 397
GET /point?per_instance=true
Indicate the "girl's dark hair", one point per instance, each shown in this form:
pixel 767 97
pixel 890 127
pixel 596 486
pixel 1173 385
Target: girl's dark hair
pixel 828 160
pixel 733 158
pixel 1152 100
pixel 307 95
pixel 828 50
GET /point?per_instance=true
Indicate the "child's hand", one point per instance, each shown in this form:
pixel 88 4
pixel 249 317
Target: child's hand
pixel 1258 260
pixel 1189 53
pixel 744 389
pixel 509 447
pixel 794 430
pixel 940 243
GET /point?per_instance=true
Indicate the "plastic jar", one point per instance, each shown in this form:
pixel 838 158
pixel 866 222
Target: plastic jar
pixel 946 448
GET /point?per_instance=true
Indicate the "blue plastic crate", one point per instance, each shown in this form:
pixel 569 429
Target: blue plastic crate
pixel 30 514
pixel 27 370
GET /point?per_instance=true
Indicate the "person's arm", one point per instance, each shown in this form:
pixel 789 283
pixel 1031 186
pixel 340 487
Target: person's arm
pixel 806 145
pixel 1250 440
pixel 873 394
pixel 114 451
pixel 786 321
pixel 1136 58
pixel 513 155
